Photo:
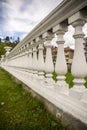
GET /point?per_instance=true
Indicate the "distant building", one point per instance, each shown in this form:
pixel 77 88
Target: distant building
pixel 68 56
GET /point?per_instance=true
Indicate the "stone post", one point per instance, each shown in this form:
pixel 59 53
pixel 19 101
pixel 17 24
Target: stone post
pixel 61 66
pixel 30 60
pixel 34 62
pixel 49 67
pixel 40 58
pixel 26 58
pixel 79 66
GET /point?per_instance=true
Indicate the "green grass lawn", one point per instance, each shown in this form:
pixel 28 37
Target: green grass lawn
pixel 20 111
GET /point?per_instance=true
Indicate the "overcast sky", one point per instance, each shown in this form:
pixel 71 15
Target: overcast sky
pixel 19 17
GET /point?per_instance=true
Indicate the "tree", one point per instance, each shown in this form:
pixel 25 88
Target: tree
pixel 7 39
pixel 18 39
pixel 0 40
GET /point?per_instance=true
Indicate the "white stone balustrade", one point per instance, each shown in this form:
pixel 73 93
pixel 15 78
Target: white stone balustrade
pixel 26 62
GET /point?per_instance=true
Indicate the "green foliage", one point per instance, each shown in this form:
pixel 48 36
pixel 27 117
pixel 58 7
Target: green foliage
pixel 7 39
pixel 85 82
pixel 69 79
pixel 44 74
pixel 20 111
pixel 54 76
pixel 2 50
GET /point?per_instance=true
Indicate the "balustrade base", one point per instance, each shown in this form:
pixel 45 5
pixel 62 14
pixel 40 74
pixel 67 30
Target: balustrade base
pixel 62 87
pixel 78 92
pixel 49 82
pixel 84 102
pixel 41 75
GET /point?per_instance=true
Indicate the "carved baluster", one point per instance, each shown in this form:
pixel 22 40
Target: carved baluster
pixel 34 62
pixel 26 58
pixel 49 67
pixel 30 60
pixel 79 66
pixel 40 58
pixel 60 66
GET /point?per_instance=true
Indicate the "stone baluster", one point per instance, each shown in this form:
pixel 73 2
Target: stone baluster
pixel 23 59
pixel 40 58
pixel 34 62
pixel 26 58
pixel 30 60
pixel 60 66
pixel 79 66
pixel 49 67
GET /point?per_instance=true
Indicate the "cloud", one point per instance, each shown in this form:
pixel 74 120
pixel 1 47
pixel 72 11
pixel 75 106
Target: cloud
pixel 68 37
pixel 19 17
pixel 23 15
pixel 85 29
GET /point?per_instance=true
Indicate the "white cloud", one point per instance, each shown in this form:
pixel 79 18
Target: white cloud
pixel 53 42
pixel 23 35
pixel 85 29
pixel 22 16
pixel 68 37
